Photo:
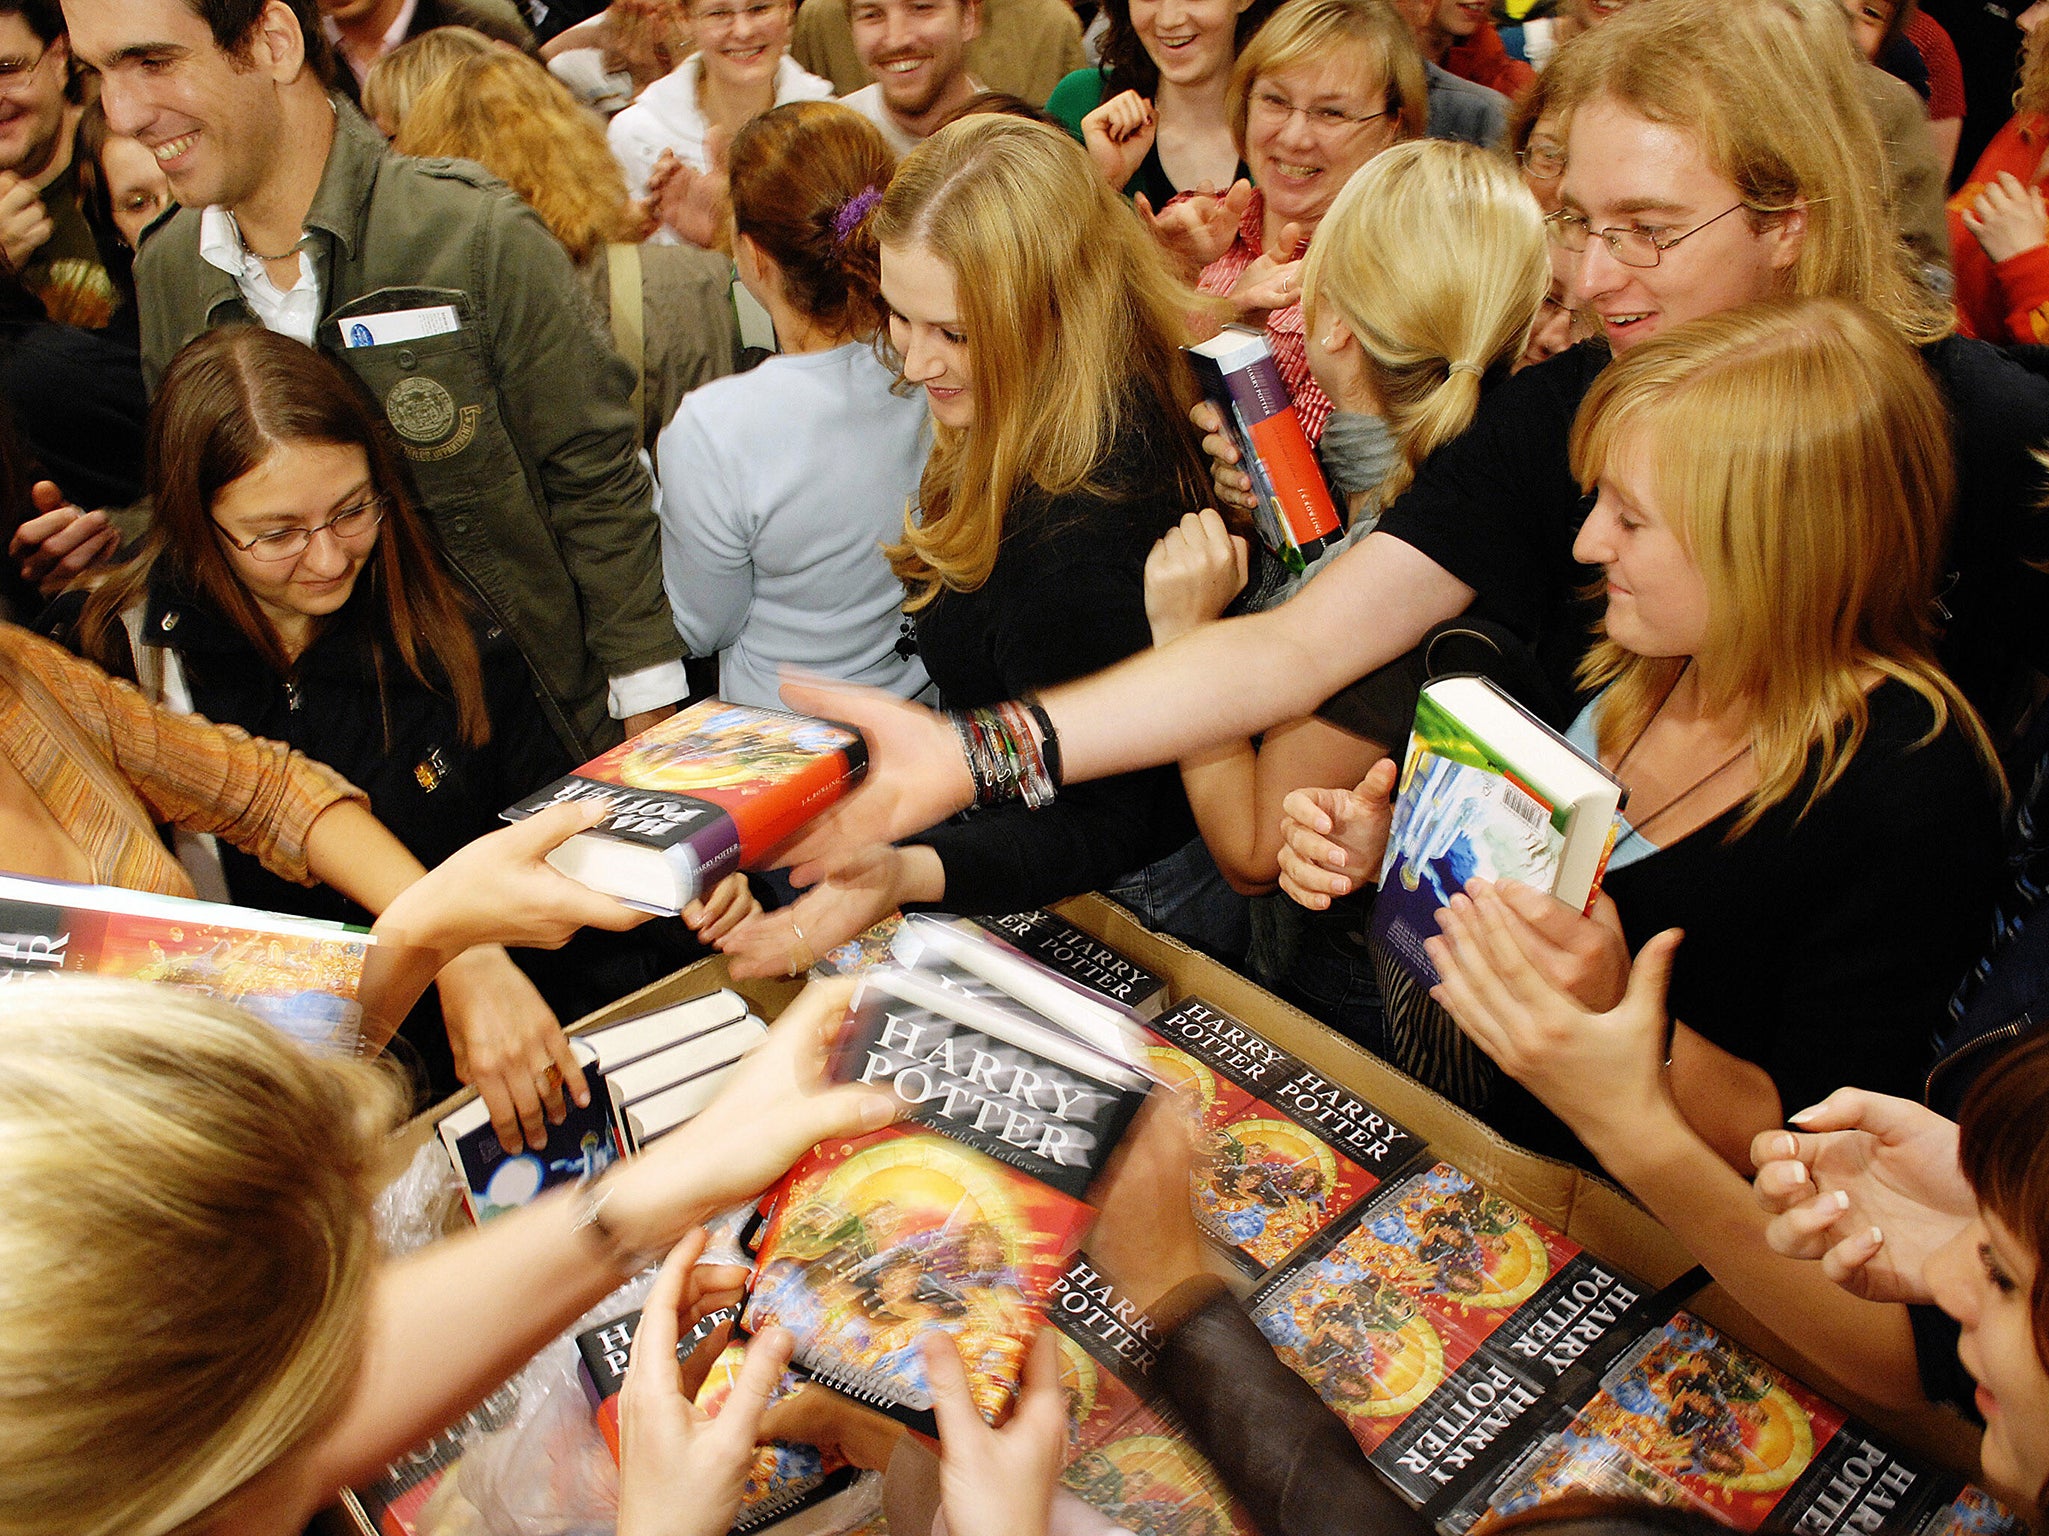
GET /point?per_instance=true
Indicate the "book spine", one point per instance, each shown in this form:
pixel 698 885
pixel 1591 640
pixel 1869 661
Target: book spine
pixel 1087 962
pixel 1271 428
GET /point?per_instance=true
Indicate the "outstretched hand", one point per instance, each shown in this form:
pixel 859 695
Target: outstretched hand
pixel 861 889
pixel 61 542
pixel 1273 279
pixel 508 1044
pixel 1600 1071
pixel 1869 1185
pixel 1198 228
pixel 997 1482
pixel 681 1470
pixel 1333 840
pixel 917 775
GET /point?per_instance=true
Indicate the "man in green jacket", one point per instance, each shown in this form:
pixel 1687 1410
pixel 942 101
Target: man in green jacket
pixel 441 292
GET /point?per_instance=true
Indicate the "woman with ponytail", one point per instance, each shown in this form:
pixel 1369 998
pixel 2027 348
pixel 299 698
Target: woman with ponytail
pixel 781 485
pixel 1420 289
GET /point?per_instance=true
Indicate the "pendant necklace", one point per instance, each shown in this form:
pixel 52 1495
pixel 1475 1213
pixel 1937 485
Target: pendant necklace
pixel 1637 824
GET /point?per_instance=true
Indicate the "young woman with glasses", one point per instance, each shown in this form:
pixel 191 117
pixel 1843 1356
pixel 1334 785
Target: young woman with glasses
pixel 1324 87
pixel 288 587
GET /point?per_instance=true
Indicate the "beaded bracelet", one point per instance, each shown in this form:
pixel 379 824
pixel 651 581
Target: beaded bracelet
pixel 1011 752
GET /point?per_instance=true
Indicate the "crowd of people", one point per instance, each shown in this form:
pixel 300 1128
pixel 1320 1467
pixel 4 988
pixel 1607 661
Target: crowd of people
pixel 405 400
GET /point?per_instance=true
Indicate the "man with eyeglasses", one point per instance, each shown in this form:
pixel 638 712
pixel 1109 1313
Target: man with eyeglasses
pixel 1654 230
pixel 444 296
pixel 45 242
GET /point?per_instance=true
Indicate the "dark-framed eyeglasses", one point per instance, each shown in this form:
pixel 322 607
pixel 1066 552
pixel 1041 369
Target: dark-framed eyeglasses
pixel 1277 110
pixel 1630 244
pixel 351 522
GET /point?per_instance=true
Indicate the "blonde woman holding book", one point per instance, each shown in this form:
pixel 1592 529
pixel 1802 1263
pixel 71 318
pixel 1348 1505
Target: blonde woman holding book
pixel 1420 288
pixel 1811 799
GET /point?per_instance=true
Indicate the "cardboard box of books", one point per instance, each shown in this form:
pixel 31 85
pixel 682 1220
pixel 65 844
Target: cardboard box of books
pixel 1493 1325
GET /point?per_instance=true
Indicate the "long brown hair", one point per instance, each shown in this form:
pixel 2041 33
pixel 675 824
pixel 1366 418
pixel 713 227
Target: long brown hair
pixel 1073 323
pixel 228 400
pixel 2003 1147
pixel 802 179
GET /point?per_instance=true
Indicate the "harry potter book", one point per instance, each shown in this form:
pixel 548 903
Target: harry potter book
pixel 495 1181
pixel 1082 959
pixel 709 790
pixel 302 975
pixel 876 1241
pixel 604 1352
pixel 1127 1459
pixel 1489 791
pixel 1438 1322
pixel 1002 1080
pixel 785 1477
pixel 1285 1152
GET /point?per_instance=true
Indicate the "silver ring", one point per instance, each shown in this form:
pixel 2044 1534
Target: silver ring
pixel 797 927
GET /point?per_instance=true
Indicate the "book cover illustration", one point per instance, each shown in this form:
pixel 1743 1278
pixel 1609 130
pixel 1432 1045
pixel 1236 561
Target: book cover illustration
pixel 1684 1417
pixel 990 1074
pixel 784 1476
pixel 1263 1186
pixel 1372 1352
pixel 711 789
pixel 1973 1512
pixel 495 1181
pixel 862 953
pixel 1462 812
pixel 1489 1270
pixel 1148 1480
pixel 296 974
pixel 875 1242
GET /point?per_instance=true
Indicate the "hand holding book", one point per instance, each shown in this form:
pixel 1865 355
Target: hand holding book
pixel 998 1482
pixel 681 1471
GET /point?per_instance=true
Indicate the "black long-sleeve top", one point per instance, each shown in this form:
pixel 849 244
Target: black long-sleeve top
pixel 1066 598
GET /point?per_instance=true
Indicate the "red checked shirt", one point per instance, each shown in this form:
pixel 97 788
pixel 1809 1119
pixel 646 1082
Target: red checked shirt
pixel 1283 326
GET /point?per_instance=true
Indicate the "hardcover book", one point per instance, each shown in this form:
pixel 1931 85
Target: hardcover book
pixel 784 1477
pixel 876 1241
pixel 1487 791
pixel 1296 517
pixel 1082 959
pixel 1274 1170
pixel 496 1181
pixel 1472 1311
pixel 604 1352
pixel 299 974
pixel 999 1079
pixel 709 790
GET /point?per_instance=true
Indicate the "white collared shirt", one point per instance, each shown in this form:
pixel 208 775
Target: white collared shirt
pixel 393 36
pixel 294 311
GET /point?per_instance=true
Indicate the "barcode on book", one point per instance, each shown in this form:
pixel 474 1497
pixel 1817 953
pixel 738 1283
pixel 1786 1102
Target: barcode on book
pixel 1525 807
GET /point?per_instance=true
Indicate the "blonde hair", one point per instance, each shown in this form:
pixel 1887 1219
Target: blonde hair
pixel 521 124
pixel 1073 324
pixel 2031 91
pixel 1802 454
pixel 1771 88
pixel 396 80
pixel 185 1251
pixel 1311 32
pixel 1434 257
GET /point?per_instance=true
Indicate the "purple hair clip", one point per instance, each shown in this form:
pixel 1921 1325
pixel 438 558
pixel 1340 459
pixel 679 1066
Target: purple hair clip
pixel 852 212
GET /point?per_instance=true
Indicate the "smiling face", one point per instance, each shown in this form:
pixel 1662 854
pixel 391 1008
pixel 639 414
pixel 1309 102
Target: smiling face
pixel 1300 154
pixel 212 121
pixel 1191 42
pixel 1657 598
pixel 1984 1278
pixel 1625 171
pixel 1458 18
pixel 32 104
pixel 136 186
pixel 741 41
pixel 925 329
pixel 301 485
pixel 917 50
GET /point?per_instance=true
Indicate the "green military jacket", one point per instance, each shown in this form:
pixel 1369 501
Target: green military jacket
pixel 518 427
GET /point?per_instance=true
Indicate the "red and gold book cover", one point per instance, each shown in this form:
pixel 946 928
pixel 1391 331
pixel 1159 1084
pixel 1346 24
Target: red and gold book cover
pixel 879 1240
pixel 784 1477
pixel 771 772
pixel 1264 1184
pixel 1145 1477
pixel 1686 1416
